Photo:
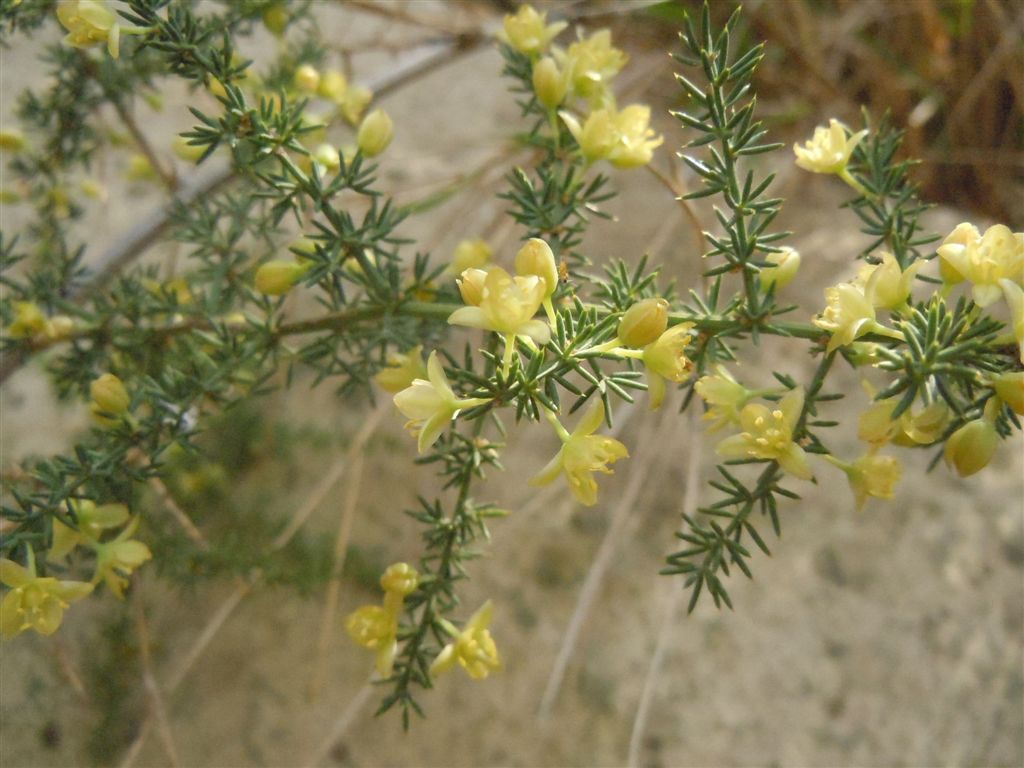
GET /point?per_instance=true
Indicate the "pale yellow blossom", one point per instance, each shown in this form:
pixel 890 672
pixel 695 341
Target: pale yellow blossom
pixel 871 476
pixel 117 559
pixel 724 396
pixel 89 23
pixel 582 454
pixel 430 405
pixel 403 369
pixel 665 359
pixel 528 31
pixel 35 602
pixel 984 260
pixel 593 63
pixel 829 150
pixel 768 434
pixel 507 306
pixel 472 647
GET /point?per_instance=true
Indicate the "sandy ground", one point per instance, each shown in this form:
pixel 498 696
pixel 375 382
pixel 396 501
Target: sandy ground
pixel 890 636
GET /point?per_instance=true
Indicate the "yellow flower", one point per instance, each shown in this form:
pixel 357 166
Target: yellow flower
pixel 643 323
pixel 984 260
pixel 473 648
pixel 666 358
pixel 829 150
pixel 92 521
pixel 90 22
pixel 528 31
pixel 582 454
pixel 402 370
pixel 1010 388
pixel 593 62
pixel 971 448
pixel 376 628
pixel 636 139
pixel 470 254
pixel 1015 298
pixel 922 427
pixel 35 602
pixel 725 396
pixel 507 306
pixel 12 140
pixel 597 135
pixel 849 315
pixel 29 320
pixel 623 138
pixel 430 405
pixel 871 475
pixel 327 156
pixel 785 265
pixel 768 434
pixel 116 559
pixel 890 286
pixel 375 133
pixel 550 83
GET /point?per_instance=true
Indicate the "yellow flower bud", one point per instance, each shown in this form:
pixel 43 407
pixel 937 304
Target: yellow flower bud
pixel 471 286
pixel 12 140
pixel 275 19
pixel 1010 388
pixel 276 277
pixel 332 85
pixel 327 156
pixel 140 169
pixel 400 578
pixel 549 83
pixel 92 188
pixel 470 254
pixel 643 323
pixel 28 320
pixel 786 264
pixel 402 370
pixel 970 448
pixel 307 79
pixel 375 133
pixel 109 395
pixel 536 258
pixel 190 153
pixel 59 327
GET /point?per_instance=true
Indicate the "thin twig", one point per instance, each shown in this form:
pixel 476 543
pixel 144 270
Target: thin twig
pixel 168 177
pixel 179 515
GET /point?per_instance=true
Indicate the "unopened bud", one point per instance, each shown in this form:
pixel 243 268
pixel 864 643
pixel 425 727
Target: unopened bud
pixel 109 395
pixel 970 448
pixel 787 263
pixel 375 133
pixel 186 151
pixel 471 286
pixel 354 102
pixel 536 258
pixel 307 79
pixel 327 156
pixel 12 140
pixel 400 578
pixel 1010 388
pixel 332 85
pixel 275 19
pixel 92 188
pixel 549 83
pixel 59 327
pixel 28 320
pixel 470 254
pixel 277 277
pixel 643 323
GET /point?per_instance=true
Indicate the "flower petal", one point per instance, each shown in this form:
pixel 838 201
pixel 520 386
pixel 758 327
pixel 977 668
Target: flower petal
pixel 473 317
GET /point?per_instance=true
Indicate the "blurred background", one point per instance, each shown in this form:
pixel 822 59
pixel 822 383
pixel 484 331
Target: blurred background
pixel 889 636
